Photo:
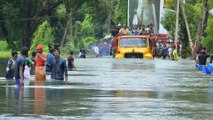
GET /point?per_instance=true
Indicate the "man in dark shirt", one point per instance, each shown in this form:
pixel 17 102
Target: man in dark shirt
pixel 19 74
pixel 70 60
pixel 59 68
pixel 203 57
pixel 114 31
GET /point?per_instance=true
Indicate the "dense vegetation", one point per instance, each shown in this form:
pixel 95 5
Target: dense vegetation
pixel 194 12
pixel 77 24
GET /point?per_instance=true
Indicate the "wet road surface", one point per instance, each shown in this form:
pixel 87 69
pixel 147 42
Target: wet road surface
pixel 116 89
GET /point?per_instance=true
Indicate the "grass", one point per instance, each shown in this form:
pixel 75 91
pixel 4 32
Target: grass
pixel 5 54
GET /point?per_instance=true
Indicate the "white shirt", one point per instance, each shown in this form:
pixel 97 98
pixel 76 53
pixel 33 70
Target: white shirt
pixel 27 72
pixel 96 50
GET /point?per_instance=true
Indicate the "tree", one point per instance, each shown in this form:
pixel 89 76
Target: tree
pixel 207 40
pixel 43 36
pixel 21 19
pixel 194 12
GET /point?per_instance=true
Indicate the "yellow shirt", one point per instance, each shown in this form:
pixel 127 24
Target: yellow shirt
pixel 175 54
pixel 124 31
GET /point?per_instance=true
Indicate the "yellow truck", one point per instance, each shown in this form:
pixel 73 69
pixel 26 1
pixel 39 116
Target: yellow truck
pixel 139 46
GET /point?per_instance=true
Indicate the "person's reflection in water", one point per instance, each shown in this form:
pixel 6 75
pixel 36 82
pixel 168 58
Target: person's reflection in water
pixel 39 96
pixel 19 98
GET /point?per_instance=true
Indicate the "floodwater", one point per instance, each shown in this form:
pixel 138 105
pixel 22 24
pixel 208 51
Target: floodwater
pixel 114 89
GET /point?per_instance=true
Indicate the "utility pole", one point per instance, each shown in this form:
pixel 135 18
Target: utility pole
pixel 176 28
pixel 187 28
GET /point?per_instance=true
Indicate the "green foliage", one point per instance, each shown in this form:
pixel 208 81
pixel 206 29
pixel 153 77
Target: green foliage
pixel 12 31
pixel 88 41
pixel 5 54
pixel 169 23
pixel 208 41
pixel 121 12
pixel 43 36
pixel 84 33
pixel 61 11
pixel 87 28
pixel 171 4
pixel 77 35
pixel 194 11
pixel 66 49
pixel 4 45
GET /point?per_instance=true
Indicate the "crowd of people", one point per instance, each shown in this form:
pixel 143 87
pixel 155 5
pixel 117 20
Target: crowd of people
pixel 167 50
pixel 39 64
pixel 162 48
pixel 135 30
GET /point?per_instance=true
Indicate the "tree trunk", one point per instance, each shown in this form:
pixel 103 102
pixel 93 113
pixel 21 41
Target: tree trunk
pixel 67 27
pixel 184 44
pixel 205 17
pixel 187 28
pixel 26 25
pixel 202 26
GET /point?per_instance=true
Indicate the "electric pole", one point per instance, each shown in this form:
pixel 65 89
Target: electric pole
pixel 177 24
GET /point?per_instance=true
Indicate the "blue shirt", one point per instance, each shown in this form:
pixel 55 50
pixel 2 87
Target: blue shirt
pixel 50 59
pixel 164 51
pixel 20 63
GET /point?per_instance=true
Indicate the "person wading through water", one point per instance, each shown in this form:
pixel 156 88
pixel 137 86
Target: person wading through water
pixel 19 73
pixel 40 70
pixel 59 68
pixel 11 66
pixel 70 61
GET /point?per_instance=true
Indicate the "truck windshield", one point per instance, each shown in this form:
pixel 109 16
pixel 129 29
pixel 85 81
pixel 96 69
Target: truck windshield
pixel 133 42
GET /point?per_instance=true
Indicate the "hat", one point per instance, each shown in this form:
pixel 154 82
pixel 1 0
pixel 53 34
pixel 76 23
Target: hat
pixel 39 47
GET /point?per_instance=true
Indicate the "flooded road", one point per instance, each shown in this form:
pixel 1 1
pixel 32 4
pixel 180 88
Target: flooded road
pixel 116 89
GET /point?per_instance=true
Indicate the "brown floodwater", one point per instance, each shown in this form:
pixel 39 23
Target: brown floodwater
pixel 117 89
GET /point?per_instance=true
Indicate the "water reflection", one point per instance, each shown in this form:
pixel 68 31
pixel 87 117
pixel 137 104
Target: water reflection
pixel 3 64
pixel 20 100
pixel 144 94
pixel 210 91
pixel 39 97
pixel 114 89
